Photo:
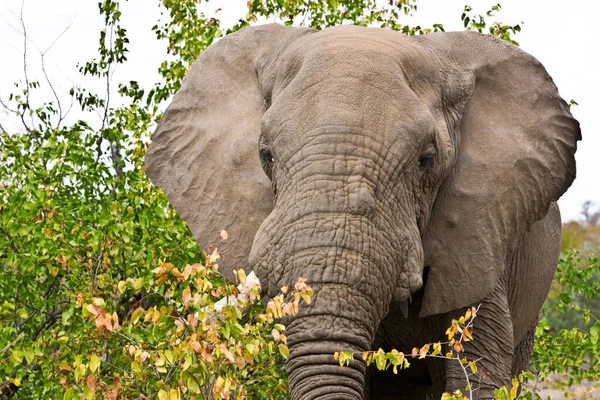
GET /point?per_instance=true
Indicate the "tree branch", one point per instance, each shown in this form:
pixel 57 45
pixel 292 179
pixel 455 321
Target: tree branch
pixel 10 238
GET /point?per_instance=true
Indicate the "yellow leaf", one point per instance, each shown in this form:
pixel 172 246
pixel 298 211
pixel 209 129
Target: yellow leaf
pixel 177 274
pixel 437 349
pixel 214 256
pixel 94 362
pixel 218 386
pixel 98 302
pixel 162 395
pixel 514 391
pixel 135 317
pixel 241 276
pixel 468 315
pixel 473 366
pixel 468 332
pixel 306 298
pixel 186 296
pixel 284 351
pixel 63 366
pixel 138 284
pixel 169 356
pixel 121 286
pixel 188 361
pixel 173 394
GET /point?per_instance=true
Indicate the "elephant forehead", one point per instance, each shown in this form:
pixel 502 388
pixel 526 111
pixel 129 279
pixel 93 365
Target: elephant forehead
pixel 377 56
pixel 354 78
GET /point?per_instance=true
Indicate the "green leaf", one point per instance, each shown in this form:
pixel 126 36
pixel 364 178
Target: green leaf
pixel 283 350
pixel 68 394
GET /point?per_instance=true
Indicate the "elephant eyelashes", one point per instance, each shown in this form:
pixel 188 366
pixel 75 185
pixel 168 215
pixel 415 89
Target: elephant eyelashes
pixel 425 161
pixel 266 158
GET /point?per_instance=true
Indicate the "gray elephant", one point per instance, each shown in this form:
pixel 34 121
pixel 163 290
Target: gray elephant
pixel 405 177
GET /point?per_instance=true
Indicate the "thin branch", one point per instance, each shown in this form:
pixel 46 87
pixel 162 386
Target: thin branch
pixel 108 76
pixel 8 346
pixel 10 238
pixel 60 34
pixel 51 319
pixel 60 112
pixel 7 108
pixel 61 116
pixel 25 73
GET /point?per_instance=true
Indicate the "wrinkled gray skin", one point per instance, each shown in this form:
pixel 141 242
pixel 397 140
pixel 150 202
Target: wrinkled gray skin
pixel 395 173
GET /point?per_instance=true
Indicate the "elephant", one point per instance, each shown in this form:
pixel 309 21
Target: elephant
pixel 406 178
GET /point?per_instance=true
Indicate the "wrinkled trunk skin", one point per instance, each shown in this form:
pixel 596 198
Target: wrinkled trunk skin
pixel 331 324
pixel 354 284
pixel 312 371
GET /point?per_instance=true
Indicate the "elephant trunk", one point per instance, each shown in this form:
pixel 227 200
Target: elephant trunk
pixel 314 337
pixel 344 315
pixel 354 282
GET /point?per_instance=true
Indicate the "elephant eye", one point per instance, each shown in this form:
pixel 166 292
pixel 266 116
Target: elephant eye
pixel 425 161
pixel 266 157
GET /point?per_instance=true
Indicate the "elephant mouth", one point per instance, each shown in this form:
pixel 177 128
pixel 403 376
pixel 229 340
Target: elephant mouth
pixel 425 276
pixel 416 297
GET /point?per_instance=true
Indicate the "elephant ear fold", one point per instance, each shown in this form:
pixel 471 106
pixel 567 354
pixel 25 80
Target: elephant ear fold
pixel 517 142
pixel 204 152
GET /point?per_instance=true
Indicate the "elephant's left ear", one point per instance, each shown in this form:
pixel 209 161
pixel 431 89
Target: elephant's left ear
pixel 516 155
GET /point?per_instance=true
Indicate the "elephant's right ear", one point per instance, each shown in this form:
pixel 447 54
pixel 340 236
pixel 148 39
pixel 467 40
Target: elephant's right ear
pixel 204 153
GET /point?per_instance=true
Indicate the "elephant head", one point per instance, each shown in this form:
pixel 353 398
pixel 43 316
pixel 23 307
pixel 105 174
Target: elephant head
pixel 357 157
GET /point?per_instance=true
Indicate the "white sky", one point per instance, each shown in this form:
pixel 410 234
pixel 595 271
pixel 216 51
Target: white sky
pixel 560 34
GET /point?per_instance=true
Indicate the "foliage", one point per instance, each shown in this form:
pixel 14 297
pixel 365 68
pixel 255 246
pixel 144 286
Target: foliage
pixel 478 22
pixel 181 341
pixel 460 331
pixel 573 351
pixel 92 302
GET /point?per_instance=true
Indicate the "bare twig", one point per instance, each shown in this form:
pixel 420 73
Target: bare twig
pixel 61 116
pixel 26 75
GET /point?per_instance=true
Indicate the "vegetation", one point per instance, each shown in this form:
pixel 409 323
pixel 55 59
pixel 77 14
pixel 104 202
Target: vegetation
pixel 103 290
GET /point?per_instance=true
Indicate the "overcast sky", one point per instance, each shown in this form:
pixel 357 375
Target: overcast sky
pixel 562 35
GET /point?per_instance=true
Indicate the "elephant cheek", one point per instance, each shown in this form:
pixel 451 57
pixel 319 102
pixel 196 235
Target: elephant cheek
pixel 264 261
